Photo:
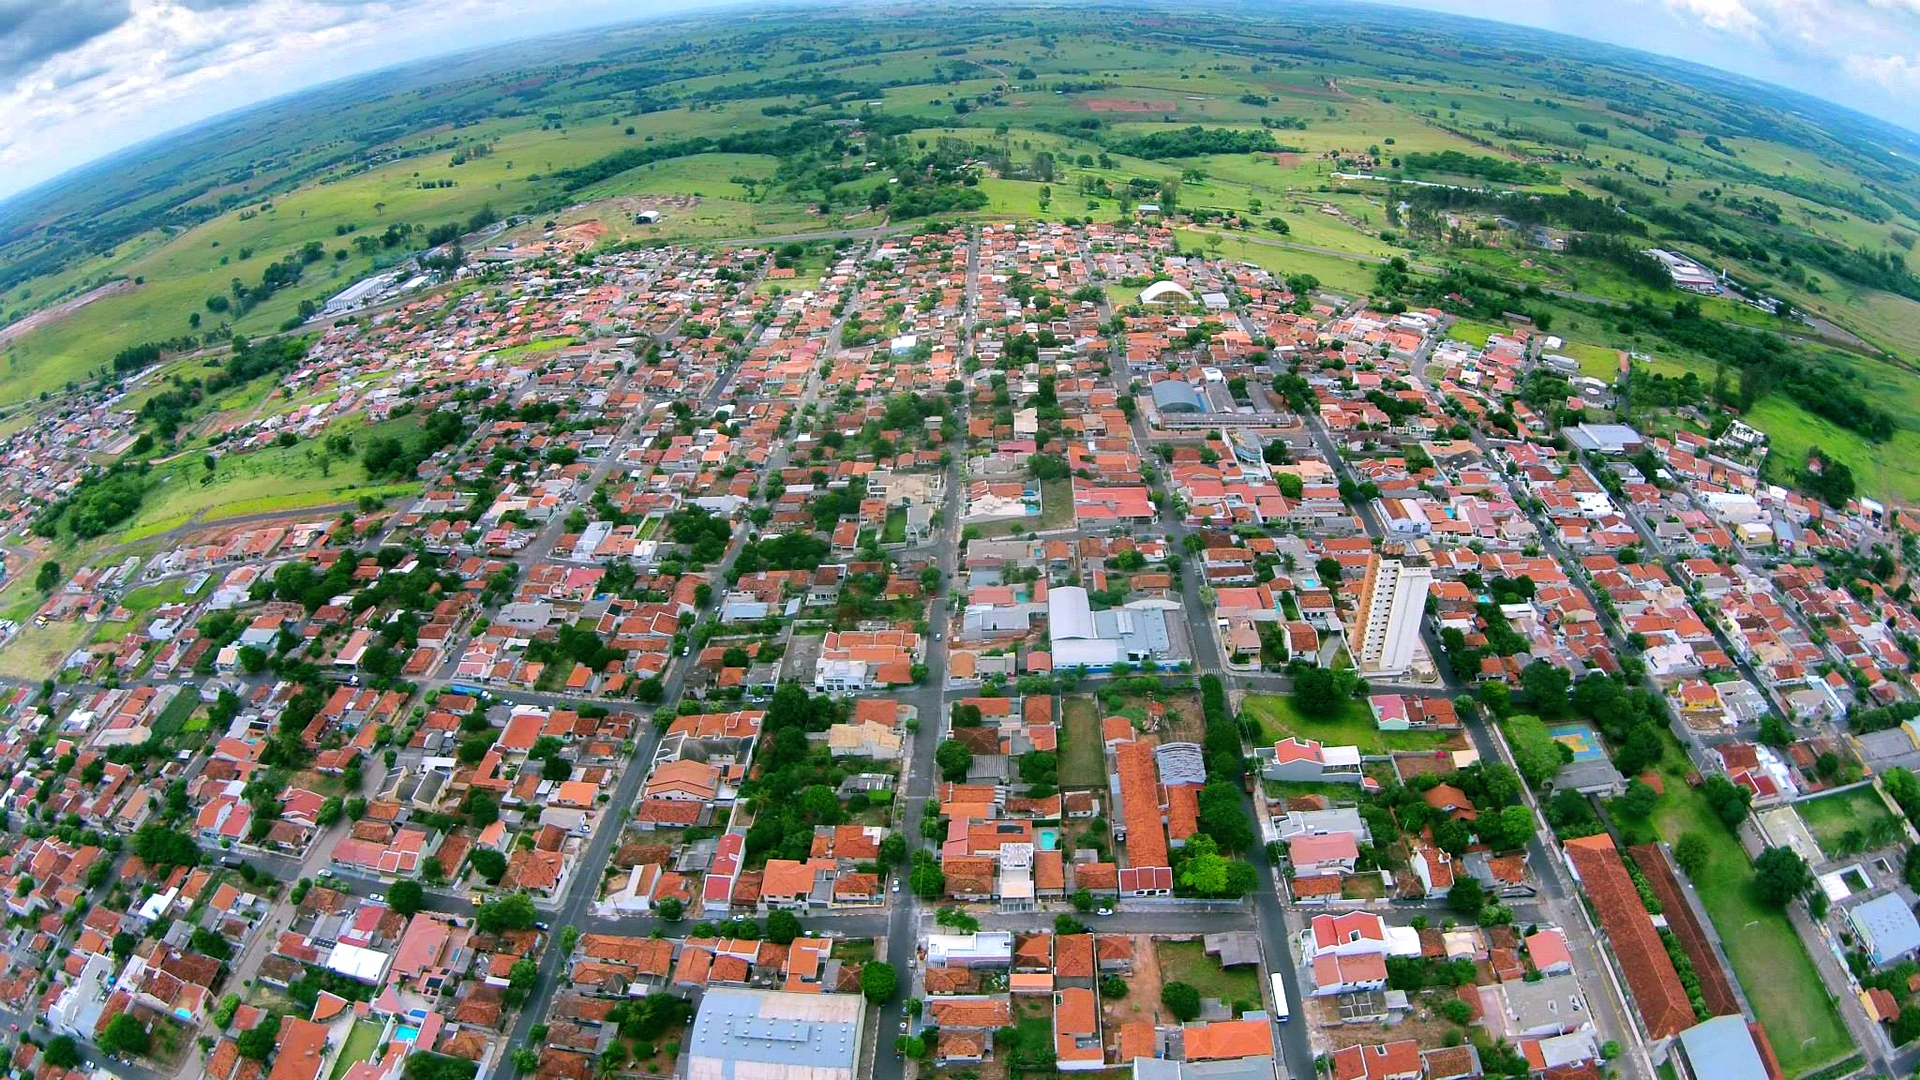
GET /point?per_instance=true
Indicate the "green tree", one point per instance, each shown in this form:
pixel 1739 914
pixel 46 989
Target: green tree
pixel 125 1035
pixel 1779 875
pixel 1535 751
pixel 406 897
pixel 1316 694
pixel 1728 800
pixel 1639 800
pixel 48 576
pixel 1691 852
pixel 1546 687
pixel 62 1052
pixel 257 1042
pixel 877 981
pixel 1466 897
pixel 671 909
pixel 1113 987
pixel 1082 900
pixel 520 979
pixel 1182 1000
pixel 927 881
pixel 954 759
pixel 488 863
pixel 782 927
pixel 511 912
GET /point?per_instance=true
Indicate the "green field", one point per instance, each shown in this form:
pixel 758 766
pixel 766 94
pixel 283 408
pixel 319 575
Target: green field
pixel 1082 757
pixel 267 481
pixel 1337 273
pixel 1278 719
pixel 1831 817
pixel 38 651
pixel 1882 469
pixel 1597 361
pixel 1768 958
pixel 1188 962
pixel 1473 333
pixel 363 1041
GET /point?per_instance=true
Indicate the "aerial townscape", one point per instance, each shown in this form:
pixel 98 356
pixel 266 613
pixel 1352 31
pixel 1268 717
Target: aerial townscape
pixel 964 544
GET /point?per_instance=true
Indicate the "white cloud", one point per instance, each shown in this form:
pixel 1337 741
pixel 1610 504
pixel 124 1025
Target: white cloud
pixel 1898 75
pixel 1859 53
pixel 80 78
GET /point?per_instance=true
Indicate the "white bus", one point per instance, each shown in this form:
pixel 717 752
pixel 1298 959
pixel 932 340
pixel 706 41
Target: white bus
pixel 1281 1010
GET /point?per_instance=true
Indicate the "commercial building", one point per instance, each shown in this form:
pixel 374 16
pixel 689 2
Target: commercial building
pixel 1393 598
pixel 1722 1048
pixel 742 1034
pixel 1886 927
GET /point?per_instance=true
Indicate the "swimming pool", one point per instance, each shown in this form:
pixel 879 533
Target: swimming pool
pixel 406 1034
pixel 1047 839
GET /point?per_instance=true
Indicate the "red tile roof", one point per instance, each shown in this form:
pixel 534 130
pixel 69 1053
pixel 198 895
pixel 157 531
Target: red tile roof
pixel 1655 986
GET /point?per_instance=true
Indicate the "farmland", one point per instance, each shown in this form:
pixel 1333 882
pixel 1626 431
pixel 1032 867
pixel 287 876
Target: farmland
pixel 1063 139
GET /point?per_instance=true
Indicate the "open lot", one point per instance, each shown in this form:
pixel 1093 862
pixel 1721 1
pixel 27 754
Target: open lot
pixel 1768 958
pixel 1188 962
pixel 1278 719
pixel 1845 823
pixel 362 1041
pixel 1082 762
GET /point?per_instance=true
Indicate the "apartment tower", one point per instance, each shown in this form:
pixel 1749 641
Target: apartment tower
pixel 1393 597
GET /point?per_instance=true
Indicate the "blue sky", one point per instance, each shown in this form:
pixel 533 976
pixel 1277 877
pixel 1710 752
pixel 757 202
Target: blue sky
pixel 82 78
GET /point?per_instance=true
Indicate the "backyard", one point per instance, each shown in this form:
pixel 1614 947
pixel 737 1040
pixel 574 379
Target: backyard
pixel 1353 726
pixel 1849 822
pixel 1188 962
pixel 362 1042
pixel 1081 760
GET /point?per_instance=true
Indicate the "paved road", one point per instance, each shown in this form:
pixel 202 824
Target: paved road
pixel 929 700
pixel 1271 917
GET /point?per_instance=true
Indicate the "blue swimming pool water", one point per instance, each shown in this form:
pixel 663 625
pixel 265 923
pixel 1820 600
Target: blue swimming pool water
pixel 406 1034
pixel 1048 839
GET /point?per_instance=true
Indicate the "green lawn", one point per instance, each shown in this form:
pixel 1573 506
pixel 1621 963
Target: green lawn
pixel 1767 956
pixel 1879 469
pixel 1353 727
pixel 896 528
pixel 1188 962
pixel 264 481
pixel 38 651
pixel 362 1042
pixel 1056 504
pixel 1082 762
pixel 1831 817
pixel 1596 361
pixel 1473 333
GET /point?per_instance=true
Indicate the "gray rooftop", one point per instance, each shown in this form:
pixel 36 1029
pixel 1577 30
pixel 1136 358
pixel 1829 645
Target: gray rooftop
pixel 1247 1068
pixel 1722 1049
pixel 809 1035
pixel 1176 395
pixel 1888 925
pixel 1604 438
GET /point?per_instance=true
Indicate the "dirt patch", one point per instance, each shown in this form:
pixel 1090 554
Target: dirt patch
pixel 1286 160
pixel 1143 986
pixel 1423 1027
pixel 48 316
pixel 1126 105
pixel 1185 720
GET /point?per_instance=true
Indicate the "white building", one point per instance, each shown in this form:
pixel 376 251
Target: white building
pixel 1393 598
